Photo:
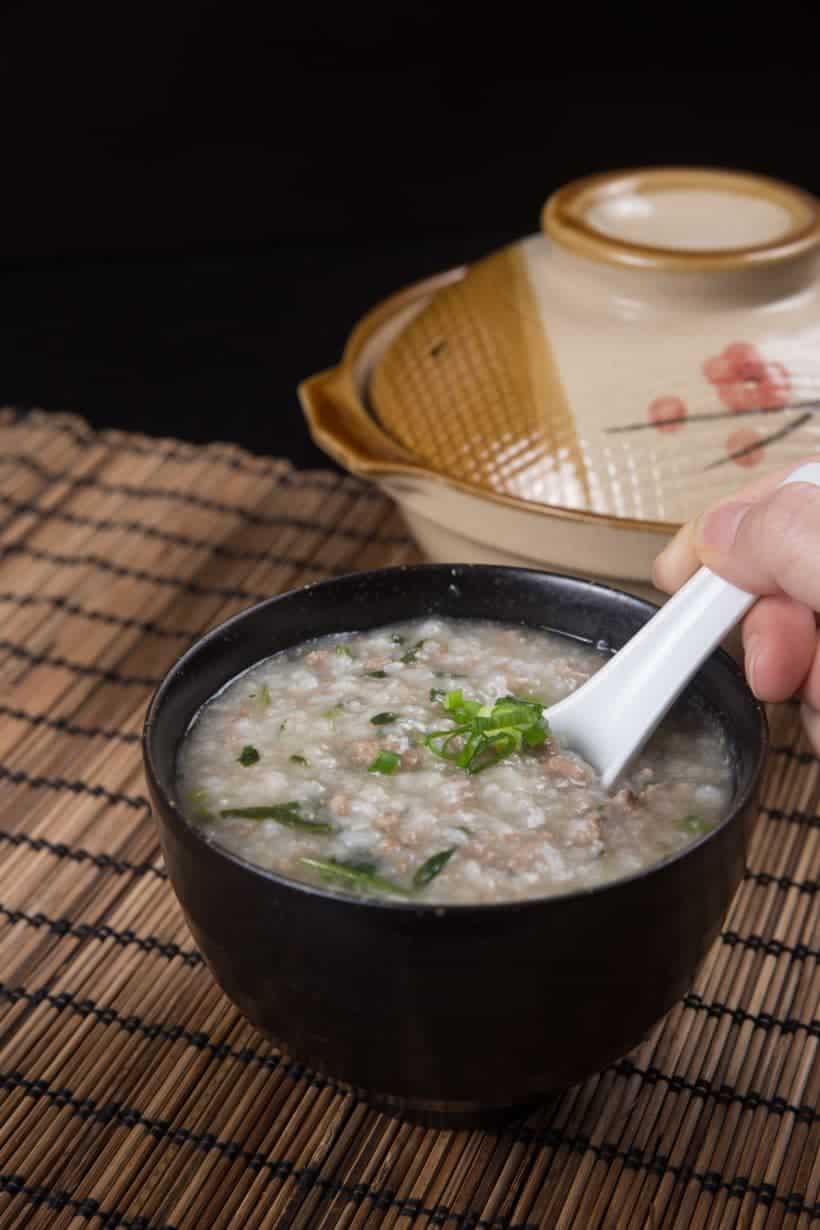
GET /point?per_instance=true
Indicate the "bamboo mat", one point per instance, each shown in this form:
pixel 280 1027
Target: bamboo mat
pixel 133 1094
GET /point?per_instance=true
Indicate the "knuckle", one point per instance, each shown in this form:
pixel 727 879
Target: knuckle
pixel 788 527
pixel 787 535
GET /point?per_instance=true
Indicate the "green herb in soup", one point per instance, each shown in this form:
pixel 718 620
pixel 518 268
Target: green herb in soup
pixel 432 867
pixel 288 814
pixel 199 804
pixel 385 762
pixel 364 875
pixel 261 696
pixel 484 734
pixel 360 875
pixel 415 762
pixel 696 825
pixel 412 654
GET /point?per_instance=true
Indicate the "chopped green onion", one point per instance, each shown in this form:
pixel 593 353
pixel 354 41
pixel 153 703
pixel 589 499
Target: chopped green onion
pixel 385 762
pixel 377 674
pixel 283 726
pixel 695 824
pixel 364 874
pixel 298 760
pixel 384 719
pixel 437 694
pixel 354 875
pixel 261 696
pixel 412 654
pixel 484 734
pixel 434 865
pixel 344 651
pixel 287 814
pixel 332 714
pixel 200 801
pixel 248 755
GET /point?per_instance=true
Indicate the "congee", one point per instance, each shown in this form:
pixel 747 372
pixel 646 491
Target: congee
pixel 415 762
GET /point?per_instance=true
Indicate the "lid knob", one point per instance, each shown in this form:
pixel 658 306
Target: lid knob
pixel 683 218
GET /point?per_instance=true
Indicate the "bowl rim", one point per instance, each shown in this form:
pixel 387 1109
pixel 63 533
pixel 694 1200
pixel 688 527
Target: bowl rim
pixel 429 909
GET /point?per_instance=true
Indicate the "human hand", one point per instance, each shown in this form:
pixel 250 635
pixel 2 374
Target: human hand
pixel 765 539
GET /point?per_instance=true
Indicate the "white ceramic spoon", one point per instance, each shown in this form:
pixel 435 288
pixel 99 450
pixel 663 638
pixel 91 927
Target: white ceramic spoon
pixel 609 719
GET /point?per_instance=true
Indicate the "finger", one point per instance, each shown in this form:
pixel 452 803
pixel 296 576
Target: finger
pixel 779 644
pixel 681 558
pixel 677 562
pixel 771 546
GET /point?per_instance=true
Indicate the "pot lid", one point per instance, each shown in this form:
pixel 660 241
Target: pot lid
pixel 659 339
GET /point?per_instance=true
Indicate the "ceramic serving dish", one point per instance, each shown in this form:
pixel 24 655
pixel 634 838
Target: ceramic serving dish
pixel 571 399
pixel 452 1010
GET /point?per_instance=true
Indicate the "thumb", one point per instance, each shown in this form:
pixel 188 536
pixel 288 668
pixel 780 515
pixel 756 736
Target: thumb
pixel 767 546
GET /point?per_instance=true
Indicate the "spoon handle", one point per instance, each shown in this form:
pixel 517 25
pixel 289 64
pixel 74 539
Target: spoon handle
pixel 627 698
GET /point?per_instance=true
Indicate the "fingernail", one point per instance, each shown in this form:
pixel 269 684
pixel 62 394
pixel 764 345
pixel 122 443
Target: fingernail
pixel 657 569
pixel 751 653
pixel 671 560
pixel 718 529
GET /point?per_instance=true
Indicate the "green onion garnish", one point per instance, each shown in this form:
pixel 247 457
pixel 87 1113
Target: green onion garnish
pixel 344 651
pixel 298 760
pixel 354 875
pixel 332 714
pixel 412 654
pixel 695 824
pixel 484 734
pixel 287 814
pixel 364 873
pixel 384 719
pixel 261 696
pixel 385 762
pixel 248 755
pixel 434 865
pixel 377 674
pixel 200 802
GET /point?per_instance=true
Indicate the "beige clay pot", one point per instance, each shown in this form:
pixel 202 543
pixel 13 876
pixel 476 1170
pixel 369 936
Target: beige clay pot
pixel 569 400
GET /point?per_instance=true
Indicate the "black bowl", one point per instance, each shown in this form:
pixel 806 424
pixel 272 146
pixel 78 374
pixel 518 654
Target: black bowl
pixel 456 1009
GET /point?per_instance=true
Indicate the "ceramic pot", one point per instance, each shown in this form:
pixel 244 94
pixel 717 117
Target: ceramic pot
pixel 569 400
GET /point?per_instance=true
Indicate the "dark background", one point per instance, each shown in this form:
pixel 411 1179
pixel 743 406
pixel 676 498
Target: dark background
pixel 198 204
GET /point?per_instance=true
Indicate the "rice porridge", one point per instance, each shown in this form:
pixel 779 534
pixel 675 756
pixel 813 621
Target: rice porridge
pixel 414 762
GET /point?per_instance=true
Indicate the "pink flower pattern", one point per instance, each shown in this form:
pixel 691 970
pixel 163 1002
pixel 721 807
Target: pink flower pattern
pixel 744 381
pixel 743 443
pixel 667 413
